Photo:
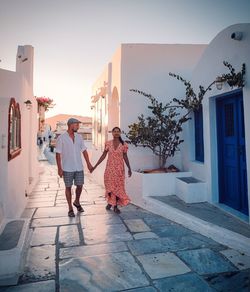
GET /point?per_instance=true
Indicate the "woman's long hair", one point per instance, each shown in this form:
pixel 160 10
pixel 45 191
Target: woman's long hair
pixel 120 138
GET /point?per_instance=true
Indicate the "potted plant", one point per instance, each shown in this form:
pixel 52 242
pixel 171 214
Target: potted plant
pixel 45 102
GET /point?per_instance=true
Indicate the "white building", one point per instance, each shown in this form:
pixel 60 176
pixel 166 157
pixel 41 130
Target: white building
pixel 223 160
pixel 18 134
pixel 136 66
pixel 226 124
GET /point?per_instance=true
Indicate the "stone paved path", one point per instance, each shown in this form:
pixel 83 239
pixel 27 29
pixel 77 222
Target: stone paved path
pixel 99 250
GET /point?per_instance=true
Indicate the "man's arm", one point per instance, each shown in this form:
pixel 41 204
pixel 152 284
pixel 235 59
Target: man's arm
pixel 86 157
pixel 59 164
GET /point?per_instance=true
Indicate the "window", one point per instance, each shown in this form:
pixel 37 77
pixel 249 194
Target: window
pixel 198 128
pixel 14 135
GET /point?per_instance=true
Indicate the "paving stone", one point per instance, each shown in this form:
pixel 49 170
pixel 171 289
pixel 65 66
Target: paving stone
pixel 69 235
pixel 43 286
pixel 180 283
pixel 143 235
pixel 91 221
pixel 43 222
pixel 43 236
pixel 162 265
pixel 95 209
pixel 136 225
pixel 144 246
pixel 205 261
pixel 157 221
pixel 40 263
pixel 171 230
pixel 208 242
pixel 92 237
pixel 144 289
pixel 113 272
pixel 139 214
pixel 51 212
pixel 230 282
pixel 40 204
pixel 91 250
pixel 240 260
pixel 36 199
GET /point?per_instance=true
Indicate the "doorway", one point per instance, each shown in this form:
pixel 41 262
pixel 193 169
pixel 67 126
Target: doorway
pixel 232 174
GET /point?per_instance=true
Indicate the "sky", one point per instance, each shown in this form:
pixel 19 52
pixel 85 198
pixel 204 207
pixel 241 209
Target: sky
pixel 73 40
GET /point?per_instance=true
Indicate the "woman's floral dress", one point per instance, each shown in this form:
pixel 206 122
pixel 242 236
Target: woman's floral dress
pixel 114 175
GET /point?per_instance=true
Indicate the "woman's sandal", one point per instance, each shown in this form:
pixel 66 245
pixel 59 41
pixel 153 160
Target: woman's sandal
pixel 71 213
pixel 78 207
pixel 108 207
pixel 116 210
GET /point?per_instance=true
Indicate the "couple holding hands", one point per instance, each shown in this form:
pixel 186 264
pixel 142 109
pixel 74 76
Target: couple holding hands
pixel 69 147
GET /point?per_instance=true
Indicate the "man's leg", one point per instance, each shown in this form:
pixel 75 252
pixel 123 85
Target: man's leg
pixel 68 180
pixel 78 194
pixel 69 197
pixel 79 180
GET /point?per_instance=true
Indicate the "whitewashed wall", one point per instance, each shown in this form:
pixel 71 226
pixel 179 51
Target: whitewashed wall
pixel 145 67
pixel 222 48
pixel 19 175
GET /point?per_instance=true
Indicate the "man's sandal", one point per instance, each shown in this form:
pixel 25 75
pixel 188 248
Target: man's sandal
pixel 71 213
pixel 78 207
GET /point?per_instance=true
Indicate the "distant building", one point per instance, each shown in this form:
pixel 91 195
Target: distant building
pixel 58 124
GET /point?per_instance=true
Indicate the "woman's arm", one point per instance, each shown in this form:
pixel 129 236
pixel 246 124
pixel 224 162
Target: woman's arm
pixel 103 156
pixel 125 157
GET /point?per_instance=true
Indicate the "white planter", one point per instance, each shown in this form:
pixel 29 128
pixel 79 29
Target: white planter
pixel 141 185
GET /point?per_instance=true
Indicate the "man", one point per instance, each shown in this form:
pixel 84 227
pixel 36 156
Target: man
pixel 69 147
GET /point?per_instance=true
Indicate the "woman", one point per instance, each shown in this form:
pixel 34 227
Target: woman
pixel 114 175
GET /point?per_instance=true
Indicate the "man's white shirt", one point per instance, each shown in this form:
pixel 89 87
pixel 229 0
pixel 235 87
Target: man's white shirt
pixel 71 152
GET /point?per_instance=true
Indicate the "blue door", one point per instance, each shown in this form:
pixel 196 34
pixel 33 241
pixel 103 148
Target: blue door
pixel 231 152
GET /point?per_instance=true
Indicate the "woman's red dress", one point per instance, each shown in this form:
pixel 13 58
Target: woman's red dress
pixel 114 175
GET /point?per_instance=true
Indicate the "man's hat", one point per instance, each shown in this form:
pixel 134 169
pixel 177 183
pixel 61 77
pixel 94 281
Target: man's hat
pixel 73 121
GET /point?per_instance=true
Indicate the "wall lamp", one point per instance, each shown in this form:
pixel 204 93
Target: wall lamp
pixel 219 82
pixel 237 35
pixel 28 104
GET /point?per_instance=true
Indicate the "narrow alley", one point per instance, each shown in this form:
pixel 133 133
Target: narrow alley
pixel 136 250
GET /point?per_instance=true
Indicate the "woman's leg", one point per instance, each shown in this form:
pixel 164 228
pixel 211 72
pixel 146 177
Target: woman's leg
pixel 116 210
pixel 108 207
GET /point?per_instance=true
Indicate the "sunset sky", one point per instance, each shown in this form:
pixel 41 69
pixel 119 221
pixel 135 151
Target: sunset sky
pixel 75 39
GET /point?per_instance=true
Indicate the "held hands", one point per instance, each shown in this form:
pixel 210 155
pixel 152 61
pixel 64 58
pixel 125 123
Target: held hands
pixel 60 172
pixel 93 168
pixel 90 167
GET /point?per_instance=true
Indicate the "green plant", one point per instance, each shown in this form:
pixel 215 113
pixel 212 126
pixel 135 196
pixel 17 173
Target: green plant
pixel 232 78
pixel 159 132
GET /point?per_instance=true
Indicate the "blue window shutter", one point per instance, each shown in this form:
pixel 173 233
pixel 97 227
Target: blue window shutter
pixel 199 142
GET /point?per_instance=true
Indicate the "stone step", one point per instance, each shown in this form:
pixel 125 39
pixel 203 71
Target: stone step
pixel 14 236
pixel 191 190
pixel 237 238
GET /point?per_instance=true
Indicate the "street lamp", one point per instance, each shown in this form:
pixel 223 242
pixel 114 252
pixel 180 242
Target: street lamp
pixel 28 104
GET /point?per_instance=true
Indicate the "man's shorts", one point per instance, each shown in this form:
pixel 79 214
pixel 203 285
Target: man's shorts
pixel 76 176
